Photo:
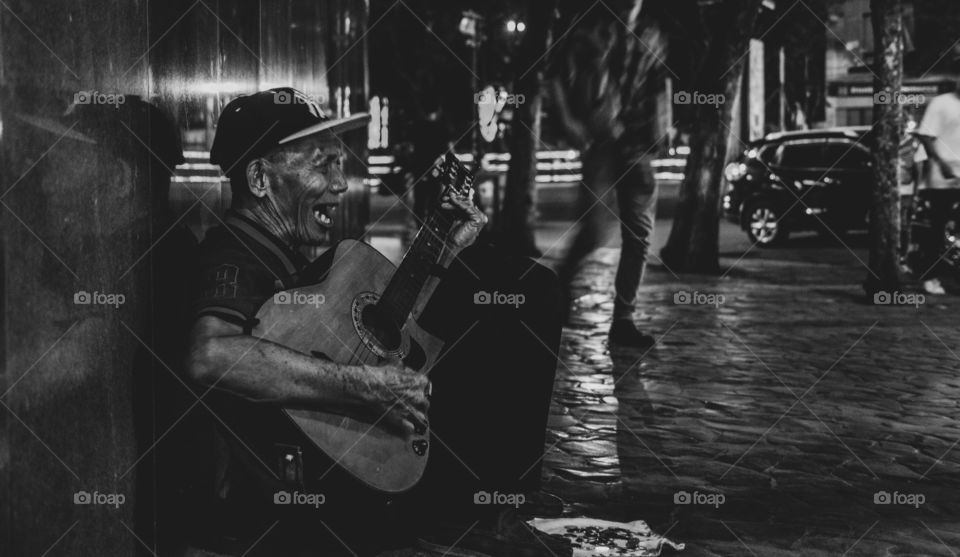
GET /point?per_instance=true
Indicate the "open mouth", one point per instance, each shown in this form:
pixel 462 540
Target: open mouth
pixel 324 213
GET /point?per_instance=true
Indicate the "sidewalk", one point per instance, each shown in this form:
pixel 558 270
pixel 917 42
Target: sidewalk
pixel 767 423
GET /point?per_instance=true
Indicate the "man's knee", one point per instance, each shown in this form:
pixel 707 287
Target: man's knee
pixel 636 239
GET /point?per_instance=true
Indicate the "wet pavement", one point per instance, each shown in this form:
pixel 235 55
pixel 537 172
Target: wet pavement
pixel 780 413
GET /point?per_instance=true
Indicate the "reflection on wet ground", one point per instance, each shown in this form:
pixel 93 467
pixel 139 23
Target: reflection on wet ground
pixel 779 414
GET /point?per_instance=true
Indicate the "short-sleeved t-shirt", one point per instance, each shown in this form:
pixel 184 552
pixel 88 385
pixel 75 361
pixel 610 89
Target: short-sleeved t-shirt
pixel 617 99
pixel 942 121
pixel 241 266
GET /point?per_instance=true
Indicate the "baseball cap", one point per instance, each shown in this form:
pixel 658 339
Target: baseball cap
pixel 252 125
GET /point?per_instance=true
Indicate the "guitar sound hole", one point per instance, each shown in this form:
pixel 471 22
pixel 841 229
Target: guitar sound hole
pixel 381 327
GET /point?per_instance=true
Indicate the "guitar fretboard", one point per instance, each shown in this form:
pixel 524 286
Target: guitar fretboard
pixel 405 285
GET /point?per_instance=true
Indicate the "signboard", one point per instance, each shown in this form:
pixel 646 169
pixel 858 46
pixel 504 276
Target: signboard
pixel 927 89
pixel 756 101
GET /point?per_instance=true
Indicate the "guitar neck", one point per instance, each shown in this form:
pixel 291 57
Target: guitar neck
pixel 418 265
pixel 416 271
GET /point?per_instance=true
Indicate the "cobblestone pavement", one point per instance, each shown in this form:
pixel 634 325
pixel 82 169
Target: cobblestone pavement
pixel 775 420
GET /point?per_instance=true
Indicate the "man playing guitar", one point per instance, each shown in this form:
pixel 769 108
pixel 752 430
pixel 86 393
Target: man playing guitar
pixel 490 391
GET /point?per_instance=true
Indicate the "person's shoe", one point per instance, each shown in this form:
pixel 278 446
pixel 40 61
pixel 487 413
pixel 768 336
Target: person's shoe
pixel 624 333
pixel 933 287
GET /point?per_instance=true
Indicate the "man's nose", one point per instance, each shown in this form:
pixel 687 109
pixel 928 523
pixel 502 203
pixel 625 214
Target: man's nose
pixel 339 183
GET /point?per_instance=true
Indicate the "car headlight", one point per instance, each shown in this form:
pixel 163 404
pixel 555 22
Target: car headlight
pixel 734 171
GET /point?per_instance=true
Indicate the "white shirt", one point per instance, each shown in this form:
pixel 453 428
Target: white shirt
pixel 942 121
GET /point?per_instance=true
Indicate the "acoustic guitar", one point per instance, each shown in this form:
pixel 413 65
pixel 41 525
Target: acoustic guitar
pixel 365 311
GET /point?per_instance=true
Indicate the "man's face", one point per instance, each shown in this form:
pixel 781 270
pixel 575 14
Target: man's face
pixel 306 183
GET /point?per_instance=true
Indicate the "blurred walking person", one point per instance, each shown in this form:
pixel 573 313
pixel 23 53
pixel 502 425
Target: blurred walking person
pixel 604 86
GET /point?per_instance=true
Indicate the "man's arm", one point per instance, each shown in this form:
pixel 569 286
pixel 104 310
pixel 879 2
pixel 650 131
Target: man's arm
pixel 222 357
pixel 930 146
pixel 931 126
pixel 575 130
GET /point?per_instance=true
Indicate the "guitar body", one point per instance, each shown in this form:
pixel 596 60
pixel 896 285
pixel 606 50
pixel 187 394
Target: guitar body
pixel 327 320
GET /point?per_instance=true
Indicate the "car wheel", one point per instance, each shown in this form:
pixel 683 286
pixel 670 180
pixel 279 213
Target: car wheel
pixel 763 224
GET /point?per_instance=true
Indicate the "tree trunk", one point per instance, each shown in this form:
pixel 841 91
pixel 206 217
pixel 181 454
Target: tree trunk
pixel 693 245
pixel 514 231
pixel 888 117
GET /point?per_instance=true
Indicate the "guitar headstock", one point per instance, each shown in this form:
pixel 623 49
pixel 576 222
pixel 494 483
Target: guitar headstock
pixel 453 175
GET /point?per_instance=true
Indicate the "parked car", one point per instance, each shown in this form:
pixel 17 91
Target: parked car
pixel 806 180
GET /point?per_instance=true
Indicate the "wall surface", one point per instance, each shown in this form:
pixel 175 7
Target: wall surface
pixel 83 210
pixel 74 219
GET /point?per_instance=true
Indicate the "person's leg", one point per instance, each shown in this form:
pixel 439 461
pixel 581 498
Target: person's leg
pixel 637 199
pixel 931 266
pixel 493 385
pixel 596 204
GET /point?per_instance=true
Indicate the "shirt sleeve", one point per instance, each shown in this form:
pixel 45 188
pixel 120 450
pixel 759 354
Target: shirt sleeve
pixel 932 118
pixel 232 287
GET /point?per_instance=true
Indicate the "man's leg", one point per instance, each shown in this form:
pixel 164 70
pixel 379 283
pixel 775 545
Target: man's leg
pixel 637 200
pixel 596 221
pixel 493 385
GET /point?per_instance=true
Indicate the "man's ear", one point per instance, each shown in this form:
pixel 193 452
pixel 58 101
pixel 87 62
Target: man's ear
pixel 257 180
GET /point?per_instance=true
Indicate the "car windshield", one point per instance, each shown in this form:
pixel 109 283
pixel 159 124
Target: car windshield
pixel 801 154
pixel 845 155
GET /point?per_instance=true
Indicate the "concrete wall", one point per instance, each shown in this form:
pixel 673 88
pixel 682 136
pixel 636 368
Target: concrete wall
pixel 79 218
pixel 74 219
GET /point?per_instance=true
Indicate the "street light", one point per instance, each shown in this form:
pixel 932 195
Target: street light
pixel 514 26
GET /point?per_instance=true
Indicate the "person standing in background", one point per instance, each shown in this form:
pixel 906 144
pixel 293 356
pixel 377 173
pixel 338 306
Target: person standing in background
pixel 939 133
pixel 605 90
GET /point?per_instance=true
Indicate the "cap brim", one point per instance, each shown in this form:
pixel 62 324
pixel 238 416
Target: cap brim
pixel 330 127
